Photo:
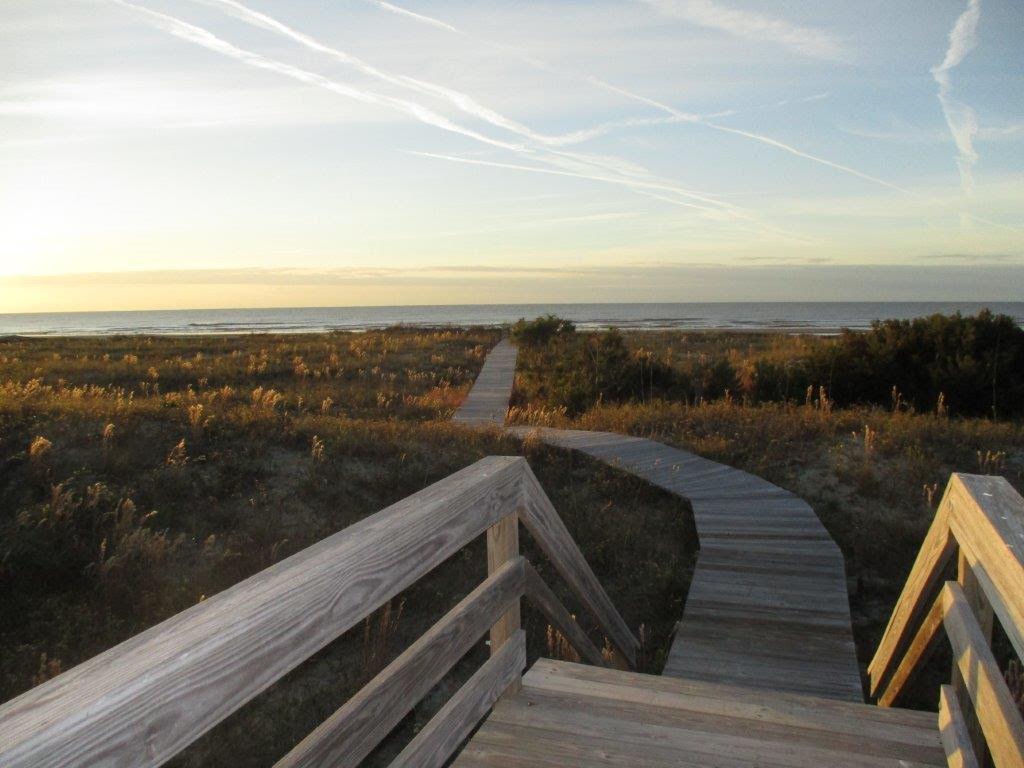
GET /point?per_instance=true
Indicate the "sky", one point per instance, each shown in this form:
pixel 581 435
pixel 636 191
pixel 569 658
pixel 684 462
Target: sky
pixel 244 153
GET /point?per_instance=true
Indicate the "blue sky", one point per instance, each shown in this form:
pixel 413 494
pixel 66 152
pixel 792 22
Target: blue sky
pixel 317 152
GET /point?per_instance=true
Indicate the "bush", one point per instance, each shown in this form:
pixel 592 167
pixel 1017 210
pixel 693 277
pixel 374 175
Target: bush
pixel 976 363
pixel 540 331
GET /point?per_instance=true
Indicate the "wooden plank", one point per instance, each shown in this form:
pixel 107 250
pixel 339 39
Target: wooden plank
pixel 956 739
pixel 725 710
pixel 502 547
pixel 190 672
pixel 988 522
pixel 548 603
pixel 571 714
pixel 436 743
pixel 982 610
pixel 487 402
pixel 997 712
pixel 919 650
pixel 352 732
pixel 746 526
pixel 550 533
pixel 915 599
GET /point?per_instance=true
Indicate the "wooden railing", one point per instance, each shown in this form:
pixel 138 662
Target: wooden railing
pixel 980 520
pixel 145 700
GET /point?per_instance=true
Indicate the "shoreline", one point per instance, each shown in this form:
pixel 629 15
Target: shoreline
pixel 587 328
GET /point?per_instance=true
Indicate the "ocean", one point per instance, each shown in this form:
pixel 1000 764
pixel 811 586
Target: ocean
pixel 781 317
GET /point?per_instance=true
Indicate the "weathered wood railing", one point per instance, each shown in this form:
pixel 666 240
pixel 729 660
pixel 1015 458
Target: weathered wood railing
pixel 980 520
pixel 145 700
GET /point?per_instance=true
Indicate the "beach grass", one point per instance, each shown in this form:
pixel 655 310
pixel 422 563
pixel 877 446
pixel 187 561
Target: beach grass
pixel 144 474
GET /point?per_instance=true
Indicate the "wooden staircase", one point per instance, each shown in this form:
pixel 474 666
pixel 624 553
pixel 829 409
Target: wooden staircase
pixel 575 715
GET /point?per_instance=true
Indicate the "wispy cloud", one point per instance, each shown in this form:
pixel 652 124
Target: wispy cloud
pixel 703 202
pixel 462 101
pixel 708 12
pixel 962 121
pixel 603 169
pixel 412 15
pixel 206 39
pixel 807 41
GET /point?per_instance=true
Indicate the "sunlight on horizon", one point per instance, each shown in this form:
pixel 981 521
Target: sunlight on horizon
pixel 222 153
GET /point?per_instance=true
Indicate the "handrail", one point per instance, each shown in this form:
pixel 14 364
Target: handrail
pixel 981 519
pixel 145 700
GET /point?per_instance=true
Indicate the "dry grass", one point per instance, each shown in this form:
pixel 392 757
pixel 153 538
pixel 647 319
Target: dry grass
pixel 144 475
pixel 873 474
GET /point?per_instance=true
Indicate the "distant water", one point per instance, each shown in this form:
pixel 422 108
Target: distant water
pixel 782 317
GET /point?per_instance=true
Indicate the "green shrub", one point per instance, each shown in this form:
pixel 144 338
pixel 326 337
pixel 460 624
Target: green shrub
pixel 976 363
pixel 540 331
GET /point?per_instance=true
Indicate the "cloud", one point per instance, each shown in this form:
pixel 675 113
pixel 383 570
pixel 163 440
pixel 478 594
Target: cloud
pixel 208 40
pixel 633 280
pixel 807 41
pixel 961 119
pixel 410 14
pixel 706 11
pixel 709 203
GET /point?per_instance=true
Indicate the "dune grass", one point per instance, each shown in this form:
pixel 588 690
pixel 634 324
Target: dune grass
pixel 873 474
pixel 141 475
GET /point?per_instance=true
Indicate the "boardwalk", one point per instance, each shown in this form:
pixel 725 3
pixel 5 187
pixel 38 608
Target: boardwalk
pixel 768 606
pixel 488 400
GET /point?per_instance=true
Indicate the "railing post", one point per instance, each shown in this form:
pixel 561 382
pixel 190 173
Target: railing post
pixel 982 610
pixel 502 546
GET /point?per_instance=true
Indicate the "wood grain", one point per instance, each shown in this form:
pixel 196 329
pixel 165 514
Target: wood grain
pixel 916 656
pixel 541 596
pixel 144 700
pixel 351 733
pixel 572 714
pixel 436 743
pixel 502 547
pixel 988 522
pixel 916 598
pixel 956 739
pixel 997 712
pixel 554 539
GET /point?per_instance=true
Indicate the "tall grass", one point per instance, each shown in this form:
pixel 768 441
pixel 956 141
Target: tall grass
pixel 141 476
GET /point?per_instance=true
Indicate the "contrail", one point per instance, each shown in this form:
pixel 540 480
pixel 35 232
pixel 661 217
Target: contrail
pixel 716 209
pixel 208 40
pixel 752 26
pixel 961 119
pixel 419 17
pixel 674 115
pixel 716 205
pixel 469 105
pixel 800 153
pixel 462 101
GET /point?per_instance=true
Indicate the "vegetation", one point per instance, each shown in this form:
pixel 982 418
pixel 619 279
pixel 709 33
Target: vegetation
pixel 141 475
pixel 950 364
pixel 873 466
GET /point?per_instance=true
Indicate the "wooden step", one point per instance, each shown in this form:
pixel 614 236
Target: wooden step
pixel 572 714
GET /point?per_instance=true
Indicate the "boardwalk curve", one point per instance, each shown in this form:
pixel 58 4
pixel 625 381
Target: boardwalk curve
pixel 767 607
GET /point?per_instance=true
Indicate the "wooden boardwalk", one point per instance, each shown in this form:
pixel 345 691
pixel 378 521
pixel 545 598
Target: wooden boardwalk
pixel 768 605
pixel 487 402
pixel 572 714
